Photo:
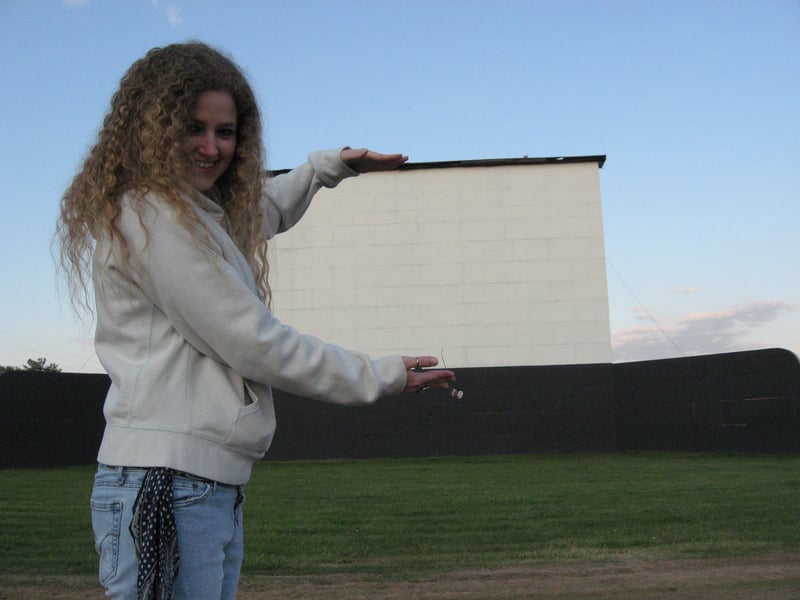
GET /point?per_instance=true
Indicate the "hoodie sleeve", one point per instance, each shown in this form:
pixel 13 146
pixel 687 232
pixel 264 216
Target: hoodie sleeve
pixel 288 196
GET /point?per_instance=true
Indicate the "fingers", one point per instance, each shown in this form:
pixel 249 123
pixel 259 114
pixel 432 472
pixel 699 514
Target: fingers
pixel 420 362
pixel 441 384
pixel 386 161
pixel 424 380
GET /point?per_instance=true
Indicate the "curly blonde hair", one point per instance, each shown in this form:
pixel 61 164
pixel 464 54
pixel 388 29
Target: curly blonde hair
pixel 139 148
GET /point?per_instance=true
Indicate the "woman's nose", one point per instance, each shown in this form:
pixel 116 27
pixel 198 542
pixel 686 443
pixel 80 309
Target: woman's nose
pixel 208 145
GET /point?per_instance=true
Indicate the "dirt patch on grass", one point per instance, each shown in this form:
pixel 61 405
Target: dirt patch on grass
pixel 766 577
pixel 775 577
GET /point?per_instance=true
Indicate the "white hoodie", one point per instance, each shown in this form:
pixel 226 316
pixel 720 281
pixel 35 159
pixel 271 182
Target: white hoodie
pixel 192 351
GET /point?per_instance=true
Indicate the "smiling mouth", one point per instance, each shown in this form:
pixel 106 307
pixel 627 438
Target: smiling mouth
pixel 202 165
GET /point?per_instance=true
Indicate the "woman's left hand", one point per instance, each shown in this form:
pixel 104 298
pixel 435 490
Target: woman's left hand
pixel 421 377
pixel 363 160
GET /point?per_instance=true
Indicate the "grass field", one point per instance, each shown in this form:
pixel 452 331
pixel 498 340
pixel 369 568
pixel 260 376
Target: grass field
pixel 406 520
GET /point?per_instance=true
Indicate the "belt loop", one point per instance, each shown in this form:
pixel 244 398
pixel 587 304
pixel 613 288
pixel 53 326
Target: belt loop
pixel 120 475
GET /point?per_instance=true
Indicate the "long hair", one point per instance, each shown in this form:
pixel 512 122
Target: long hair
pixel 139 148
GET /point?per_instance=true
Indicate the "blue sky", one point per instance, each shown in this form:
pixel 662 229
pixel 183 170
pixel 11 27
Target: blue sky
pixel 695 104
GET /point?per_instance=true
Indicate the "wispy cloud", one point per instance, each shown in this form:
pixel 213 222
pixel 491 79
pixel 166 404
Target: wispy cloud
pixel 173 14
pixel 685 290
pixel 725 330
pixel 171 11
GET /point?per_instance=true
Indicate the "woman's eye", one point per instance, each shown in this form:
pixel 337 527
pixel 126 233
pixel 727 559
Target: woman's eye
pixel 226 133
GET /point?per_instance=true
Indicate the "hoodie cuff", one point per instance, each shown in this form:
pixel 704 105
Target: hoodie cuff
pixel 329 166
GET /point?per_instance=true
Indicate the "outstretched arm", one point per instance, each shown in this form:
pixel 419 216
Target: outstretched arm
pixel 288 196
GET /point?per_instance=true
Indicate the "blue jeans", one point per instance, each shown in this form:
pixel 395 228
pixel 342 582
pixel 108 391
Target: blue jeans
pixel 208 517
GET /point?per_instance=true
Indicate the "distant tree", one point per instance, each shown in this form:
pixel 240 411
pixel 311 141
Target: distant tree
pixel 6 369
pixel 40 364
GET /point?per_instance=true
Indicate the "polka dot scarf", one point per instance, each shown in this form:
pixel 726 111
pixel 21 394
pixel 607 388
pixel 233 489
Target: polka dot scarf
pixel 155 536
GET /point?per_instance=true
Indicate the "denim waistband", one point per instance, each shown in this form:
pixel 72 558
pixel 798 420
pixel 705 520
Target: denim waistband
pixel 186 475
pixel 175 473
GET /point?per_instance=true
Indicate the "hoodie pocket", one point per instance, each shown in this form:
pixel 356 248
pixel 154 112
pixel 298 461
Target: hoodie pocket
pixel 254 425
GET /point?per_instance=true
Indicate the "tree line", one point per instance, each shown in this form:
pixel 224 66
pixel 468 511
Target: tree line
pixel 37 364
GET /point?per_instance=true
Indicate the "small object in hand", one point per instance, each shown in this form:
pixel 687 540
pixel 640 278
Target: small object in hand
pixel 457 393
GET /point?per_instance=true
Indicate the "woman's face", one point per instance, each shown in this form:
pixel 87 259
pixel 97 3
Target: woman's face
pixel 211 141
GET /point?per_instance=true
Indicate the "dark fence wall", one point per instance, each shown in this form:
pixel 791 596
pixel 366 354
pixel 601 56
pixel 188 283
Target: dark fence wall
pixel 50 418
pixel 745 401
pixel 505 410
pixel 742 401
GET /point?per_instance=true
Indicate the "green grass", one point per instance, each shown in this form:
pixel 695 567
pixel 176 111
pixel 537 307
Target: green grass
pixel 404 517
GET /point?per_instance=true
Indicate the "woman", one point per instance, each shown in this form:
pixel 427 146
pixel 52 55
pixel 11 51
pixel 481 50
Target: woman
pixel 171 213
